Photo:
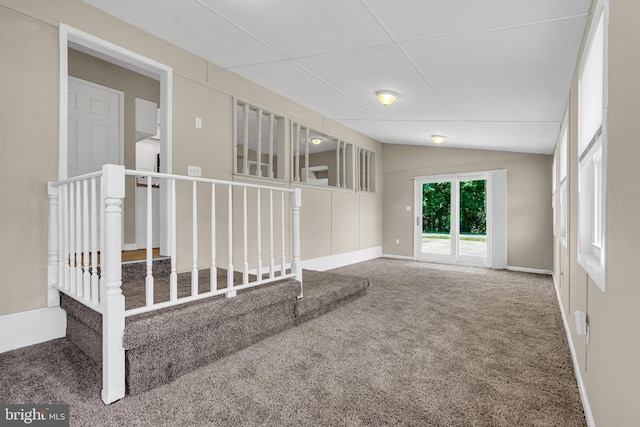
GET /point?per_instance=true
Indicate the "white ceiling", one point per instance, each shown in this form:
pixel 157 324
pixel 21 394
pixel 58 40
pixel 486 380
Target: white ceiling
pixel 491 74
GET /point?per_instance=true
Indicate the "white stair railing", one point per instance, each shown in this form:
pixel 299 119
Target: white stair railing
pixel 85 242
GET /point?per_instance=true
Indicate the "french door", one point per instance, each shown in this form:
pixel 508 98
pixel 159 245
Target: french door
pixel 455 221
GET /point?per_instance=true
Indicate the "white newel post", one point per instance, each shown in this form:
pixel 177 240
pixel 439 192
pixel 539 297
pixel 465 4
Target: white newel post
pixel 53 296
pixel 296 203
pixel 113 369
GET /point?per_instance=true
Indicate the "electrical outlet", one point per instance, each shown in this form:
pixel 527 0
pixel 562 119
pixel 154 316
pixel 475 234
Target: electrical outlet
pixel 198 123
pixel 194 170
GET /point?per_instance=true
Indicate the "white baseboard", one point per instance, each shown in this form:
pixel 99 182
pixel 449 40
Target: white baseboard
pixel 31 327
pixel 530 270
pixel 340 260
pixel 583 392
pixel 408 258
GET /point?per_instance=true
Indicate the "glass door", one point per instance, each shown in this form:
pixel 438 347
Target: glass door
pixel 472 221
pixel 435 240
pixel 451 220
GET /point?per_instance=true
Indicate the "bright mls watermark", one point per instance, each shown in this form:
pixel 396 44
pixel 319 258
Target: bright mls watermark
pixel 54 415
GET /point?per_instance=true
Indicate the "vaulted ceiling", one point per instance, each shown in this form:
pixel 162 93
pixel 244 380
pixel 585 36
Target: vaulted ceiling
pixel 491 74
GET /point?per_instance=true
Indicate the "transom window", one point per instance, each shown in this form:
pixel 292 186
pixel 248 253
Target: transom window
pixel 320 159
pixel 259 142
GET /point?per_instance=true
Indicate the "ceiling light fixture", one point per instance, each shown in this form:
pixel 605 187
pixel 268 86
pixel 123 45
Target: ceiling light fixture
pixel 316 140
pixel 387 97
pixel 438 139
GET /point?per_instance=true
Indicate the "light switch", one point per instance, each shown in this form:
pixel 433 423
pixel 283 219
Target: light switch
pixel 198 123
pixel 194 170
pixel 408 208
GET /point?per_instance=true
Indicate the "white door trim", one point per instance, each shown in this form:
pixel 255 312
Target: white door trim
pixel 496 212
pixel 92 45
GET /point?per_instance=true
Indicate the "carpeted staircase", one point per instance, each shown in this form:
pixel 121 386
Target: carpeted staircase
pixel 163 345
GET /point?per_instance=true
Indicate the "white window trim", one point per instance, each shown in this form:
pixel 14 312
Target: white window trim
pixel 591 257
pixel 563 226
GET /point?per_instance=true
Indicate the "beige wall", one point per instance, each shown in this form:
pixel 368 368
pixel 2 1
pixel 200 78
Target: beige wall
pixel 529 215
pixel 608 363
pixel 29 145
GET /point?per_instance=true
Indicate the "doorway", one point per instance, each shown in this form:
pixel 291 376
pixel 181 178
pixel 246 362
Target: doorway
pixel 96 47
pixel 461 219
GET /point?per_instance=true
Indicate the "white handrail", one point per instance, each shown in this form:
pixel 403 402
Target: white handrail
pixel 85 223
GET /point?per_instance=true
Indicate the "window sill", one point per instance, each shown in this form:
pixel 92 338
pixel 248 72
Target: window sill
pixel 592 265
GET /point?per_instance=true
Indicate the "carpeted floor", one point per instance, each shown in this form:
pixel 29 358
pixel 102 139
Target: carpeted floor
pixel 423 347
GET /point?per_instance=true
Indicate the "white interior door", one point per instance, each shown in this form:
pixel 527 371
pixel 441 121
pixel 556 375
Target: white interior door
pixel 95 127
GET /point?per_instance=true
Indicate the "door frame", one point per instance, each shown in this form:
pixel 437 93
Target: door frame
pixel 102 49
pixel 496 194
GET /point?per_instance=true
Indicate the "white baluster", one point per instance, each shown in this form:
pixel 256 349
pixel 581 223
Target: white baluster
pixel 72 239
pixel 259 148
pixel 245 142
pixel 194 267
pixel 173 276
pixel 231 292
pixel 306 156
pixel 148 281
pixel 245 254
pixel 213 272
pixel 61 253
pixel 78 239
pixel 53 235
pixel 259 235
pixel 86 275
pixel 271 260
pixel 66 253
pixel 283 259
pixel 296 203
pixel 95 294
pixel 113 363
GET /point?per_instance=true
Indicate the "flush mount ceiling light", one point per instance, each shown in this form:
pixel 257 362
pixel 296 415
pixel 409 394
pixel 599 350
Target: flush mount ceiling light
pixel 387 97
pixel 316 140
pixel 438 139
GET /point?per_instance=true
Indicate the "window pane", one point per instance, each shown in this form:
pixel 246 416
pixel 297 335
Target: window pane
pixel 473 219
pixel 436 218
pixel 258 142
pixel 591 89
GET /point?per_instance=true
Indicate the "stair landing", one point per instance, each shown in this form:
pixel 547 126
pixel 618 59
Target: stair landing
pixel 165 344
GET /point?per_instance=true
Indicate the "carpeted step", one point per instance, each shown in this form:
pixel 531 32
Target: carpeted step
pixel 165 344
pixel 324 291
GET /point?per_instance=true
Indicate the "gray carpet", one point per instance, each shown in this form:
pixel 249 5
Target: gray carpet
pixel 422 347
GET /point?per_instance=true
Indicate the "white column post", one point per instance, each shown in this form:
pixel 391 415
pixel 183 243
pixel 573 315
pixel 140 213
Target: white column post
pixel 271 120
pixel 113 366
pixel 259 147
pixel 245 142
pixel 296 203
pixel 338 164
pixel 306 156
pixel 53 295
